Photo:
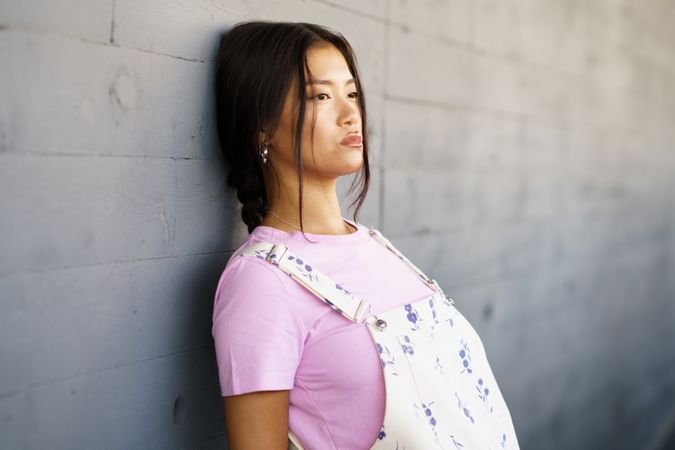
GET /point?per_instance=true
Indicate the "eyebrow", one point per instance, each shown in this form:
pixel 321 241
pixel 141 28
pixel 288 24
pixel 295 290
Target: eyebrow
pixel 328 82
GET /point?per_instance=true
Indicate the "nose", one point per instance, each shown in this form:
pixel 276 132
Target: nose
pixel 350 112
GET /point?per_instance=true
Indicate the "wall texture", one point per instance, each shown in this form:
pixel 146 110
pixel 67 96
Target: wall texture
pixel 523 154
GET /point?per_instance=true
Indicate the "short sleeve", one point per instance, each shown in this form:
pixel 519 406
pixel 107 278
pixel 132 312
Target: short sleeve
pixel 258 337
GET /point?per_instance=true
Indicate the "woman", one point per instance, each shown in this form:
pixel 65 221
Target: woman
pixel 326 336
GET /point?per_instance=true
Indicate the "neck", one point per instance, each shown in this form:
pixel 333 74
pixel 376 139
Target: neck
pixel 321 212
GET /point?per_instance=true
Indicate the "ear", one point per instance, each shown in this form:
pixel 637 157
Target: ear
pixel 262 137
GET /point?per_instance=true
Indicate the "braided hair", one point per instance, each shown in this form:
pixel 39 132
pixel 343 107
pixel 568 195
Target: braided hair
pixel 257 64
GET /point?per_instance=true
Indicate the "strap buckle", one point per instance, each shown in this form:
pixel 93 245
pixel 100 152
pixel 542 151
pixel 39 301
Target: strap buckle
pixel 362 312
pixel 276 253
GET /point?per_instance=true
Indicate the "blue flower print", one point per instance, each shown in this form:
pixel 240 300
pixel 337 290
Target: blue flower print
pixel 428 414
pixel 456 443
pixel 437 366
pixel 340 288
pixel 305 269
pixel 382 433
pixel 408 348
pixel 386 358
pixel 465 354
pixel 260 254
pixel 434 316
pixel 464 409
pixel 483 393
pixel 413 316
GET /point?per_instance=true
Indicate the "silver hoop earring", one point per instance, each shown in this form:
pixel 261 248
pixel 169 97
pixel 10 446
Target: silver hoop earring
pixel 263 154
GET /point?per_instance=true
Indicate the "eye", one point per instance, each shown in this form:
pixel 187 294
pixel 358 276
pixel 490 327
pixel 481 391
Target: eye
pixel 354 94
pixel 310 97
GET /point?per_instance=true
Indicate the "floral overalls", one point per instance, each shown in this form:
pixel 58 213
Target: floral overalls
pixel 439 388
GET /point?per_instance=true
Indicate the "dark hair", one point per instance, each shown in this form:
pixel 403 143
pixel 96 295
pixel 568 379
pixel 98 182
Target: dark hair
pixel 256 65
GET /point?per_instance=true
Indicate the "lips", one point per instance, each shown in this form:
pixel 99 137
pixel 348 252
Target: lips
pixel 352 140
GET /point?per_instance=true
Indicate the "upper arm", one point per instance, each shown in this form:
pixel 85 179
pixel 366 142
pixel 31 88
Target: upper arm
pixel 258 335
pixel 257 420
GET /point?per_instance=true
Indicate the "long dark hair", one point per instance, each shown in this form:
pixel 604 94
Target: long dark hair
pixel 256 65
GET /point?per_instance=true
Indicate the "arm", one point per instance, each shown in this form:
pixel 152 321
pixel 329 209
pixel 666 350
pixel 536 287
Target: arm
pixel 257 420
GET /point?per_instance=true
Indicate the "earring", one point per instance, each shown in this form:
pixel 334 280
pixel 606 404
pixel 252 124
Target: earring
pixel 263 153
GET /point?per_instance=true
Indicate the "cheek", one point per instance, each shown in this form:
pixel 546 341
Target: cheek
pixel 321 130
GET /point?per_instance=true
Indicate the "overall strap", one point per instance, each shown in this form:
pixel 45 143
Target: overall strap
pixel 375 233
pixel 327 290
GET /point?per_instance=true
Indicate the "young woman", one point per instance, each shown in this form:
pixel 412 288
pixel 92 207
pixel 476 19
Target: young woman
pixel 326 336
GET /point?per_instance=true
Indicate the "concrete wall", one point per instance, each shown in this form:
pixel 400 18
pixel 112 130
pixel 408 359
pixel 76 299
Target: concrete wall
pixel 523 155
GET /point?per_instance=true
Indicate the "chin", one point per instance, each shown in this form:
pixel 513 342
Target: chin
pixel 352 165
pixel 354 170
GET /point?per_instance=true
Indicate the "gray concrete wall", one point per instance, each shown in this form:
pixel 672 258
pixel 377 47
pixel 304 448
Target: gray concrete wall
pixel 523 155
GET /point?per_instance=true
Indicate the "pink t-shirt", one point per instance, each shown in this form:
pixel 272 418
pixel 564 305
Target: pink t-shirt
pixel 271 333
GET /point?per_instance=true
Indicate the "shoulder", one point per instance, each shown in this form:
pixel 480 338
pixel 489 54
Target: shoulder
pixel 251 293
pixel 251 274
pixel 251 288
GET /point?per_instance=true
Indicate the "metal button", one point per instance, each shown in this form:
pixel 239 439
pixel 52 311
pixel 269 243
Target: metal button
pixel 381 324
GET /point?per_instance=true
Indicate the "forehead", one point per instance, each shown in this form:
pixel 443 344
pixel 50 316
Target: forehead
pixel 327 63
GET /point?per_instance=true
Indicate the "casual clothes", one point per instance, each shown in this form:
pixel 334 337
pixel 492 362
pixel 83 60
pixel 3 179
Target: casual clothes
pixel 271 333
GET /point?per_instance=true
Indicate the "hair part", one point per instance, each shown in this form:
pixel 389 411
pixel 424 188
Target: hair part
pixel 258 63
